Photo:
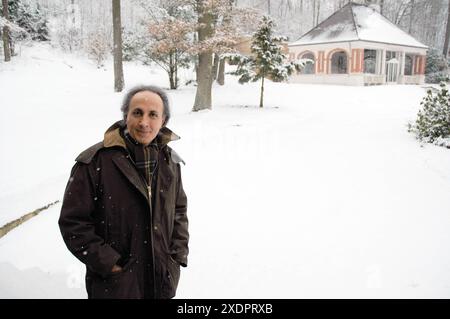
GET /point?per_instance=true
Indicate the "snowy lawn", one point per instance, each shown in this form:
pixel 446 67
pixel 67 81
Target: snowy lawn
pixel 321 194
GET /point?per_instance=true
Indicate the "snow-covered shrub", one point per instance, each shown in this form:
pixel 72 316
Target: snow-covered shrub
pixel 97 47
pixel 131 46
pixel 68 37
pixel 437 77
pixel 433 120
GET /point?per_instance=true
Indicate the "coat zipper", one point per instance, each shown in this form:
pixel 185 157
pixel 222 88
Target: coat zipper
pixel 149 191
pixel 149 188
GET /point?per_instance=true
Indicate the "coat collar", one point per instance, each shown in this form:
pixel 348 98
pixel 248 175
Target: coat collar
pixel 113 138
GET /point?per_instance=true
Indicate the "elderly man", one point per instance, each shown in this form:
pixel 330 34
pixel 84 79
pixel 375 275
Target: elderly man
pixel 124 208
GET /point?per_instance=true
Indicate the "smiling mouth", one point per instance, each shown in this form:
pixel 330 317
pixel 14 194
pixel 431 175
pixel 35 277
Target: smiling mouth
pixel 143 132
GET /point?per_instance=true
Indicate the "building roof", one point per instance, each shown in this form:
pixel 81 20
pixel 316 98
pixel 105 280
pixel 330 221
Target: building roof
pixel 358 22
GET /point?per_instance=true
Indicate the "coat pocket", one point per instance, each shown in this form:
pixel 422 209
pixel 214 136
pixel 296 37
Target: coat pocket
pixel 121 285
pixel 171 278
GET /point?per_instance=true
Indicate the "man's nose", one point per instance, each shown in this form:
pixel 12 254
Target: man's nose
pixel 144 122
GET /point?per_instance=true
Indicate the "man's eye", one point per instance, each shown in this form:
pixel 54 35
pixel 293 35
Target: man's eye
pixel 154 115
pixel 137 112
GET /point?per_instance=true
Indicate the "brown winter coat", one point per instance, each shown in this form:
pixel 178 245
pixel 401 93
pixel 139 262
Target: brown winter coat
pixel 106 218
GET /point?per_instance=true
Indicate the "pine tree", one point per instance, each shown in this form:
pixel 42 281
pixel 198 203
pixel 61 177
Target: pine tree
pixel 41 27
pixel 436 67
pixel 267 59
pixel 433 120
pixel 30 19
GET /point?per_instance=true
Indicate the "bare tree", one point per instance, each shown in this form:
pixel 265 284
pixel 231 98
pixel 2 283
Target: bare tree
pixel 382 7
pixel 117 35
pixel 203 96
pixel 403 8
pixel 316 12
pixel 412 15
pixel 447 32
pixel 6 48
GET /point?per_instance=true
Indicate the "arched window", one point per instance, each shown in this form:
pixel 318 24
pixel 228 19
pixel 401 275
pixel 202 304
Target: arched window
pixel 339 63
pixel 309 66
pixel 408 64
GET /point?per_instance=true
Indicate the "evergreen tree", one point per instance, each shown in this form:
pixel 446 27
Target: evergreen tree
pixel 436 67
pixel 433 120
pixel 41 27
pixel 32 20
pixel 267 59
pixel 134 44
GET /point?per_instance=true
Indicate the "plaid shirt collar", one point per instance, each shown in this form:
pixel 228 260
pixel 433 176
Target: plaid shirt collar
pixel 145 157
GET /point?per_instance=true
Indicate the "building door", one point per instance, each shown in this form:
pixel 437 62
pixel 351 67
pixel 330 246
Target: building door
pixel 392 67
pixel 392 71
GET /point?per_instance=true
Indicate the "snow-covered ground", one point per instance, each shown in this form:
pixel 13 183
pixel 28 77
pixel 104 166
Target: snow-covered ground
pixel 321 194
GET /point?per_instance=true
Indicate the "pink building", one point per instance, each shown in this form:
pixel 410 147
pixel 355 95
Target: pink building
pixel 358 46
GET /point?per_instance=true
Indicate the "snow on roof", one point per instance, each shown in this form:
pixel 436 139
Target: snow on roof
pixel 358 22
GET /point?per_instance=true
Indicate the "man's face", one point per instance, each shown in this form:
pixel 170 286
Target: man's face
pixel 145 116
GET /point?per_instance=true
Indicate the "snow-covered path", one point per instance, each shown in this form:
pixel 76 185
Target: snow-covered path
pixel 323 193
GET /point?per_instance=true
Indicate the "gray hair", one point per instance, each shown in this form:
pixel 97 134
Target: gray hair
pixel 150 88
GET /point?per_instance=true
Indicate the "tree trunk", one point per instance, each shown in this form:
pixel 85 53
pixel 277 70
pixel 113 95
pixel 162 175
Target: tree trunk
pixel 171 79
pixel 215 66
pixel 447 33
pixel 382 7
pixel 203 98
pixel 226 21
pixel 175 67
pixel 117 36
pixel 318 12
pixel 221 76
pixel 196 58
pixel 6 48
pixel 411 15
pixel 72 27
pixel 261 99
pixel 314 13
pixel 73 12
pixel 172 71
